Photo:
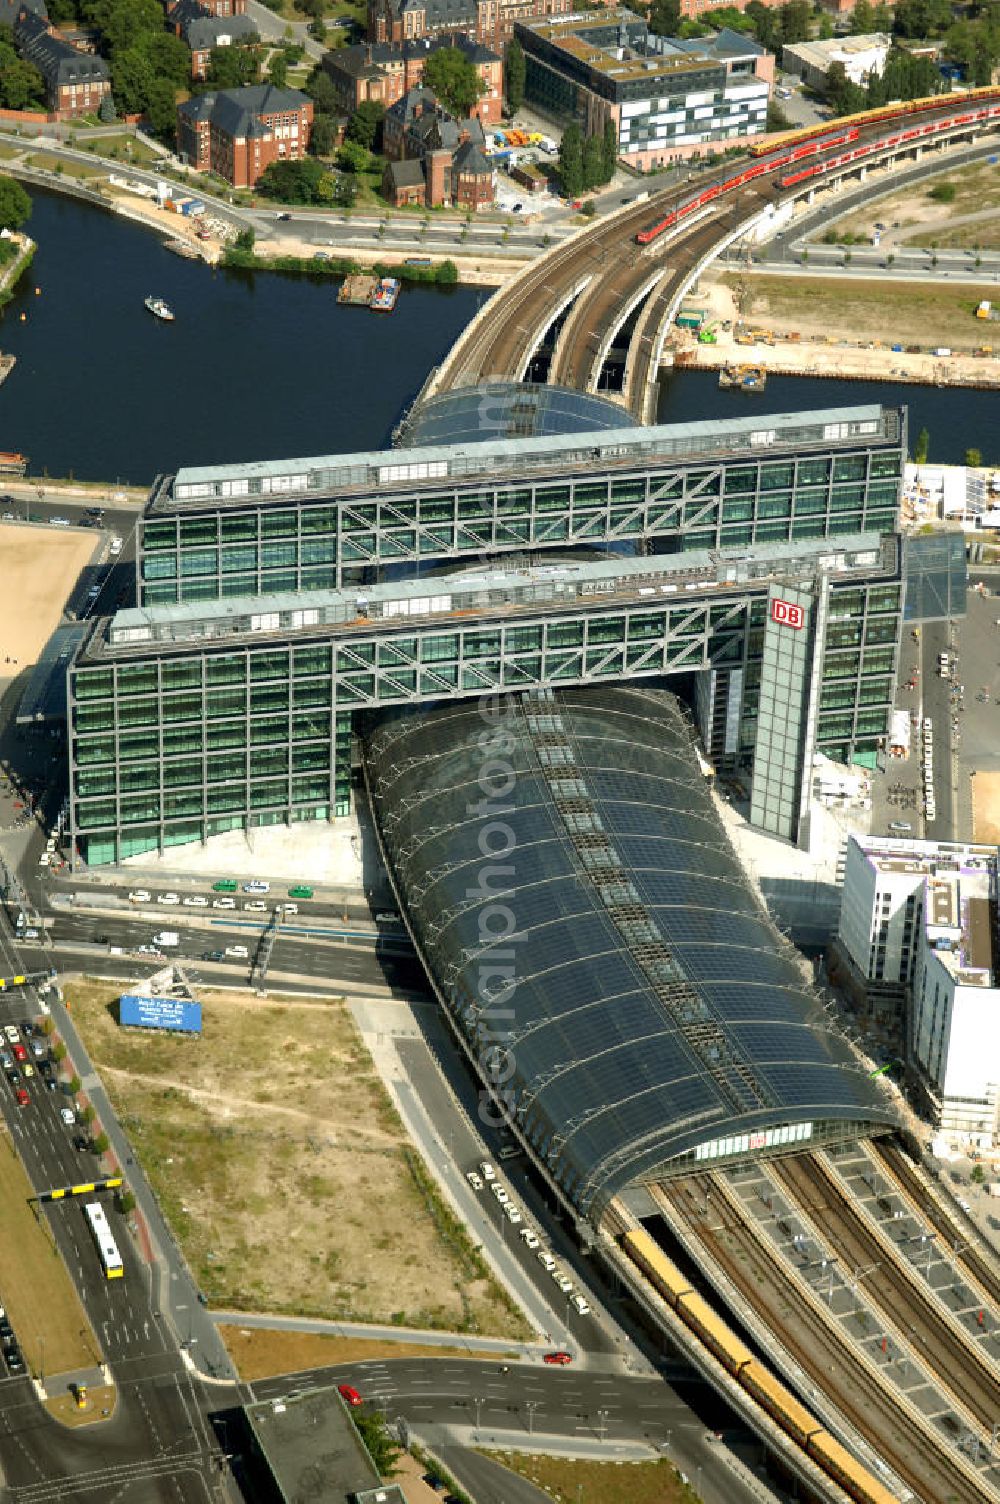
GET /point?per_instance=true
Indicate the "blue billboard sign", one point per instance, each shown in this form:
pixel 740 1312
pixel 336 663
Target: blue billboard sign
pixel 159 1013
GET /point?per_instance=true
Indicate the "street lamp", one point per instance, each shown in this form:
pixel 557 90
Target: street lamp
pixel 602 1421
pixel 478 1402
pixel 531 1406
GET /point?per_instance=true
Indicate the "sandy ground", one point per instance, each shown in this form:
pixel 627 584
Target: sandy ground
pixel 986 808
pixel 283 1167
pixel 913 217
pixel 38 569
pixel 796 315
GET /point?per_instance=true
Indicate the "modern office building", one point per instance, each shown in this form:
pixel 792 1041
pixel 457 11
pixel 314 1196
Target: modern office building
pixel 918 928
pixel 667 97
pixel 279 598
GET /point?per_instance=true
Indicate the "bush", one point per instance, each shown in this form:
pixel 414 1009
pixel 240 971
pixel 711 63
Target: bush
pixel 101 1144
pixel 943 193
pixel 74 1085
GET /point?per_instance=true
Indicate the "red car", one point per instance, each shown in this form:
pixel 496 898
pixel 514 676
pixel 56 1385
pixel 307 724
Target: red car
pixel 20 1053
pixel 350 1395
pixel 22 1098
pixel 560 1358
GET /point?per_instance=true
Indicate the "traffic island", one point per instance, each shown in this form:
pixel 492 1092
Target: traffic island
pixel 77 1403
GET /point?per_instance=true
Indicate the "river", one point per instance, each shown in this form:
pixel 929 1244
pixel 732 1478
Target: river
pixel 265 365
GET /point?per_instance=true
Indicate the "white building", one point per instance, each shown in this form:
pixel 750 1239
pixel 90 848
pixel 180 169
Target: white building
pixel 861 56
pixel 918 926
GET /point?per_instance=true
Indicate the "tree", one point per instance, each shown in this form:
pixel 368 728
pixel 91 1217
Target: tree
pixel 161 107
pixel 321 136
pixel 922 447
pixel 382 1450
pixel 796 21
pixel 943 193
pixel 977 1174
pixel 610 151
pixel 354 158
pixel 107 112
pixel 319 87
pixel 132 77
pixel 296 182
pixel 571 161
pixel 449 74
pixel 974 459
pixel 277 71
pixel 101 1144
pixel 74 1085
pixel 245 240
pixel 123 22
pixel 88 1114
pixel 59 1053
pixel 825 32
pixel 863 19
pixel 665 17
pixel 593 162
pixel 514 75
pixel 766 24
pixel 365 124
pixel 21 85
pixel 233 67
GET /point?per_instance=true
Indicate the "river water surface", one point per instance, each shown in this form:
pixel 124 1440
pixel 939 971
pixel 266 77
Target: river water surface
pixel 263 366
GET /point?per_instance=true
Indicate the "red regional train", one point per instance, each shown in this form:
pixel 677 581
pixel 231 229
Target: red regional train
pixel 976 106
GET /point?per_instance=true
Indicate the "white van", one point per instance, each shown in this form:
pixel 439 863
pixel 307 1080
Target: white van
pixel 237 952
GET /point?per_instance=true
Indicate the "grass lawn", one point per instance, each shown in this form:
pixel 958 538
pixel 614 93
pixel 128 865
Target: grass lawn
pixel 578 1482
pixel 7 152
pixel 283 1168
pixel 258 1353
pixel 903 312
pixel 44 1308
pixel 124 148
pixel 64 169
pixel 977 189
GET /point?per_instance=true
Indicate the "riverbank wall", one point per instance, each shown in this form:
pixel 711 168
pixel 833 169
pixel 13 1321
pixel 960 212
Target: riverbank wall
pixel 15 269
pixel 843 359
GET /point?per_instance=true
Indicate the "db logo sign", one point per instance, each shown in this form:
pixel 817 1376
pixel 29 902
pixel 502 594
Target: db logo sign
pixel 788 615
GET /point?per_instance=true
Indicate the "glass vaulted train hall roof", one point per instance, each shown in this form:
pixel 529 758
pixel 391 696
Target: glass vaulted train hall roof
pixel 600 950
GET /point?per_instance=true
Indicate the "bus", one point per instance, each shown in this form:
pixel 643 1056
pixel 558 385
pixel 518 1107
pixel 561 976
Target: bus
pixel 300 891
pixel 225 885
pixel 107 1248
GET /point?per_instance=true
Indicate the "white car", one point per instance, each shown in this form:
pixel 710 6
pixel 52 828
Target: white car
pixel 563 1281
pixel 149 950
pixel 289 908
pixel 531 1239
pixel 223 903
pixel 546 1260
pixel 13 1036
pixel 258 906
pixel 50 845
pixel 139 895
pixel 474 1180
pixel 581 1304
pixel 487 1171
pixel 195 902
pixel 170 899
pixel 237 952
pixel 44 859
pixel 68 1116
pixel 499 1193
pixel 512 1213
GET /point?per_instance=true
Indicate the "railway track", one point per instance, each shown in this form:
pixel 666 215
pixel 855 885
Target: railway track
pixel 516 317
pixel 978 1268
pixel 960 1366
pixel 920 1456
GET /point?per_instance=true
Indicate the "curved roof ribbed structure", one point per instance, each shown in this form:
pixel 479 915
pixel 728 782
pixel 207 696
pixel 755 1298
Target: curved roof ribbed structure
pixel 508 410
pixel 575 898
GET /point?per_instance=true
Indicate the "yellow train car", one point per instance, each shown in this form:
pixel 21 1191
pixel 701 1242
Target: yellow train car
pixel 779 1402
pixel 715 1334
pixel 643 1249
pixel 841 1466
pixel 901 110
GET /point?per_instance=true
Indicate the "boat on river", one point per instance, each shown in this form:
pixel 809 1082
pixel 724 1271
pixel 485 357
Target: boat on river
pixel 159 308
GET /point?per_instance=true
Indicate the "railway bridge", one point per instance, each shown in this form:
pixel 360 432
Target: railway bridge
pixel 606 282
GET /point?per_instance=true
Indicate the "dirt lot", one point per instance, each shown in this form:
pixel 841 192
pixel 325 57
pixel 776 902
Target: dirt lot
pixel 38 568
pixel 258 1353
pixel 283 1167
pixel 986 807
pixel 914 218
pixel 35 1287
pixel 604 1482
pixel 896 313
